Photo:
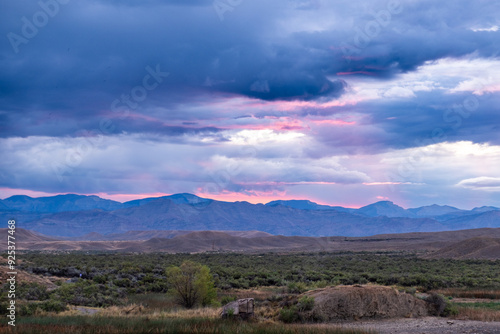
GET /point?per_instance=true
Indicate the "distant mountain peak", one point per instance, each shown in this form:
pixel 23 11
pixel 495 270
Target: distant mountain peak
pixel 386 203
pixel 18 197
pixel 485 209
pixel 59 203
pixel 186 198
pixel 434 210
pixel 383 208
pixel 382 204
pixel 301 204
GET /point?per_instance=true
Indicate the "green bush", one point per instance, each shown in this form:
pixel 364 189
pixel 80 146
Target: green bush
pixel 289 315
pixel 227 299
pixel 32 291
pixel 321 284
pixel 89 293
pixel 450 310
pixel 192 284
pixel 296 287
pixel 146 273
pixel 276 298
pixel 53 306
pixel 32 308
pixel 437 304
pixel 28 309
pixel 305 303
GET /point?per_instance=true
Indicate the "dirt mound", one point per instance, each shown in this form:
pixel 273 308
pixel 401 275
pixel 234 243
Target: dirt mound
pixel 364 301
pixel 174 241
pixel 25 277
pixel 24 235
pixel 474 248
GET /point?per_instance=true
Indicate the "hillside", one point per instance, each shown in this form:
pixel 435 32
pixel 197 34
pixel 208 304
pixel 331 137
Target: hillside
pixel 167 234
pixel 255 241
pixel 474 248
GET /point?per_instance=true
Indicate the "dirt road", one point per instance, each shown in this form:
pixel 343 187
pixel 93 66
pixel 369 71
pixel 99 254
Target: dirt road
pixel 427 325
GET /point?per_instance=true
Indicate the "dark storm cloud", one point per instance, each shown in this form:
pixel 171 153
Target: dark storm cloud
pixel 442 118
pixel 65 77
pixel 401 124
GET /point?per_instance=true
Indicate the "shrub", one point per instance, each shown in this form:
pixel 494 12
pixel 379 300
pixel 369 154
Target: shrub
pixel 32 291
pixel 289 315
pixel 227 299
pixel 450 310
pixel 88 293
pixel 28 309
pixel 321 284
pixel 192 283
pixel 305 303
pixel 53 306
pixel 275 298
pixel 296 287
pixel 437 304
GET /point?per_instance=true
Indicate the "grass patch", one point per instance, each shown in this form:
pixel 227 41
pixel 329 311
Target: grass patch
pixel 480 311
pixel 482 305
pixel 101 325
pixel 479 314
pixel 153 302
pixel 470 293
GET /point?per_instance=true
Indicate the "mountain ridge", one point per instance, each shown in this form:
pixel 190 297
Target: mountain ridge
pixel 77 215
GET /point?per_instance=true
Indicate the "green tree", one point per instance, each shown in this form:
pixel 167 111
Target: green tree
pixel 191 283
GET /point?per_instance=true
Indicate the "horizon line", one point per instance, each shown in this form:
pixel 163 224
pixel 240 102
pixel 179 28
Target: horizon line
pixel 131 197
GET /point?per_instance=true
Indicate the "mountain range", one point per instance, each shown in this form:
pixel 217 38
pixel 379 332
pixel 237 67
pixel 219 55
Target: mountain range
pixel 76 215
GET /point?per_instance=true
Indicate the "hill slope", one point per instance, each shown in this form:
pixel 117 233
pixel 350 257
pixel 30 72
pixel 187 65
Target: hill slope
pixel 474 248
pixel 202 241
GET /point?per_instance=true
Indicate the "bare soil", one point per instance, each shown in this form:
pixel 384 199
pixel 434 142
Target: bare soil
pixel 426 325
pixel 365 301
pixel 475 243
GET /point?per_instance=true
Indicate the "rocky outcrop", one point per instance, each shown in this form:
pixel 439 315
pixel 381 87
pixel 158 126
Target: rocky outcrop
pixel 243 308
pixel 364 301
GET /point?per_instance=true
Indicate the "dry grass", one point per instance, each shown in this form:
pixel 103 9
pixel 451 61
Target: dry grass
pixel 206 312
pixel 122 311
pixel 70 312
pixel 470 293
pixel 135 311
pixel 177 326
pixel 466 313
pixel 25 277
pixel 267 312
pixel 259 294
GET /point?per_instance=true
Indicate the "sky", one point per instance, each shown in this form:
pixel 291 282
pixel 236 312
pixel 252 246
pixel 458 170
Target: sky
pixel 339 102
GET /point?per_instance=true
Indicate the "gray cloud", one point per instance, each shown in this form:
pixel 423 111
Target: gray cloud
pixel 224 77
pixel 482 182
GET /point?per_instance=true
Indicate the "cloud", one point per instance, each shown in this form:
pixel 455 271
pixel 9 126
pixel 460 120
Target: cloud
pixel 396 92
pixel 492 28
pixel 327 95
pixel 481 183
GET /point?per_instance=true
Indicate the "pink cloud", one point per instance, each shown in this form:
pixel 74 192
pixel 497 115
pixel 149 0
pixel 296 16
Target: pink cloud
pixel 129 197
pixel 254 197
pixel 7 192
pixel 355 72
